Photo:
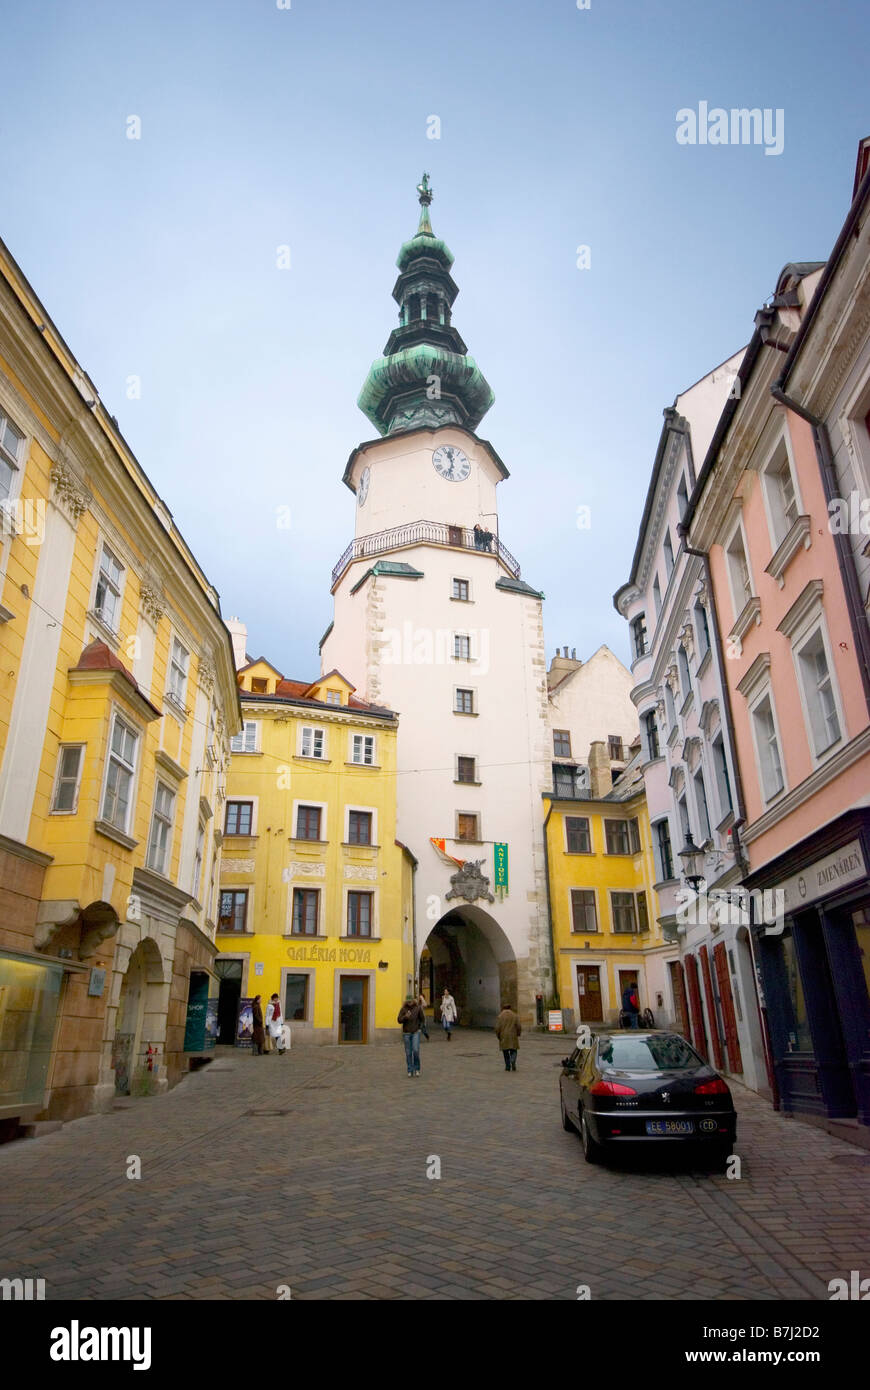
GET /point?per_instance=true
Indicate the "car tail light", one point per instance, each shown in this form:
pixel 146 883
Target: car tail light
pixel 611 1088
pixel 712 1088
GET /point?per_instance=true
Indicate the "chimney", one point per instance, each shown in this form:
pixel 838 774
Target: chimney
pixel 600 779
pixel 239 634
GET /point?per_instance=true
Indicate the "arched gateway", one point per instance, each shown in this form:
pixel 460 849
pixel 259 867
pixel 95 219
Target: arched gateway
pixel 468 952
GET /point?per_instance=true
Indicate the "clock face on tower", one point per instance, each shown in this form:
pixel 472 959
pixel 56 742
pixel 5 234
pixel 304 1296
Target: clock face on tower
pixel 363 490
pixel 451 463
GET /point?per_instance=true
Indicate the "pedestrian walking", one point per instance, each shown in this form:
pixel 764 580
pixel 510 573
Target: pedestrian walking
pixel 631 1004
pixel 275 1024
pixel 411 1017
pixel 425 1028
pixel 449 1012
pixel 258 1035
pixel 507 1030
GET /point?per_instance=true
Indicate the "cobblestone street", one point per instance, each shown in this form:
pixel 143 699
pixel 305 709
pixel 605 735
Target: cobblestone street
pixel 311 1171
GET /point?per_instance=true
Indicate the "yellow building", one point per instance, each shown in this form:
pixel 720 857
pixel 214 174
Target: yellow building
pixel 316 893
pixel 117 701
pixel 601 873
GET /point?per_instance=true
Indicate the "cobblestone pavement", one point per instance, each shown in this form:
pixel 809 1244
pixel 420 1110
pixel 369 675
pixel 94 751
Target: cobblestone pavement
pixel 310 1171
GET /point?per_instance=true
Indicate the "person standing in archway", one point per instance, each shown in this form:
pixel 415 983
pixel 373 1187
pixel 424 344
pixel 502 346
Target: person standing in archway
pixel 449 1012
pixel 411 1017
pixel 507 1030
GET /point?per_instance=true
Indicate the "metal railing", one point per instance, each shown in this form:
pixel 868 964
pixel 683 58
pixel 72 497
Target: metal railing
pixel 433 532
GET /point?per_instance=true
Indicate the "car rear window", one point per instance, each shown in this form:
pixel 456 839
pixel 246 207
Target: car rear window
pixel 669 1053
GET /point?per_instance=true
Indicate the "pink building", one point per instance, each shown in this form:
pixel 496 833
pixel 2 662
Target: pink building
pixel 787 586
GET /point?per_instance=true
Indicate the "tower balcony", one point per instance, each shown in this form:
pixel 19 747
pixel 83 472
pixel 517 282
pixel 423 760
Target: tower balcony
pixel 428 533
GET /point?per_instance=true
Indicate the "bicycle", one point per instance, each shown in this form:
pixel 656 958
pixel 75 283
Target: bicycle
pixel 644 1019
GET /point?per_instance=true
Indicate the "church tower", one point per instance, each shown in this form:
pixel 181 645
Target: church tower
pixel 433 620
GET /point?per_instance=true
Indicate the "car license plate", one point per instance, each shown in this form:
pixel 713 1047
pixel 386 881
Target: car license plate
pixel 669 1127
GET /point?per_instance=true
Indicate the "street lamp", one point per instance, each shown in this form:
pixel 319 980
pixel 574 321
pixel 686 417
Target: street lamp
pixel 693 862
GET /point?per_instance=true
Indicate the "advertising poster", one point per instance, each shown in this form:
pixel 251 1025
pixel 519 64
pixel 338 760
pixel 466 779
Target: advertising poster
pixel 211 1024
pixel 245 1024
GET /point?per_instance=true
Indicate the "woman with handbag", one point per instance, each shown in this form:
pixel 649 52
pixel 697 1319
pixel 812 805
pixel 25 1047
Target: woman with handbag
pixel 449 1012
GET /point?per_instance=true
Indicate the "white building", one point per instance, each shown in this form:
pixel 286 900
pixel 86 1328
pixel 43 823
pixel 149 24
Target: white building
pixel 433 620
pixel 708 978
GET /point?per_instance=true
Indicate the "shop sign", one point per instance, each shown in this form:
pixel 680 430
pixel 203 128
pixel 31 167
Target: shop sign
pixel 825 877
pixel 97 983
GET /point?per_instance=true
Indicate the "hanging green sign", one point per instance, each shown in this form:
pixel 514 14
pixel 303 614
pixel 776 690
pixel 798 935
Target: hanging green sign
pixel 500 861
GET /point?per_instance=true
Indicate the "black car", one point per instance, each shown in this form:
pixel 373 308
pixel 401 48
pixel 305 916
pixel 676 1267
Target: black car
pixel 632 1086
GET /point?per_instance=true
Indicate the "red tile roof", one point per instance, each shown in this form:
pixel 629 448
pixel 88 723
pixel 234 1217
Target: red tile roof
pixel 98 657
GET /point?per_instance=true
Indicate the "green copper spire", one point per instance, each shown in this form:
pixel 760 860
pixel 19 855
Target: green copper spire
pixel 425 377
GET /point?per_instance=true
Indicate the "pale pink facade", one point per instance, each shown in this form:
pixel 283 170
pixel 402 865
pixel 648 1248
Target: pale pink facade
pixel 788 588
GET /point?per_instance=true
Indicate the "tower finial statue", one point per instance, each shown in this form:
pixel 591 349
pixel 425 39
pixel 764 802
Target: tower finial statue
pixel 425 191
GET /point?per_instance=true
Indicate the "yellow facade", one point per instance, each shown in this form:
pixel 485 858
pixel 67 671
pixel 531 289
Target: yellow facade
pixel 104 861
pixel 596 956
pixel 319 918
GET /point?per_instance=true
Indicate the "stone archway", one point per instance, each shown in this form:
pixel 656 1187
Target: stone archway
pixel 474 959
pixel 140 1021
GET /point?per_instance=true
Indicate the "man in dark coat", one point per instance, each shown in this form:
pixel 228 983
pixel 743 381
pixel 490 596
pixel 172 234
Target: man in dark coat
pixel 631 1004
pixel 258 1032
pixel 412 1018
pixel 507 1030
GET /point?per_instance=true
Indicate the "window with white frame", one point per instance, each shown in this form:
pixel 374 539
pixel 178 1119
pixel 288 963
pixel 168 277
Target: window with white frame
pixel 178 663
pixel 10 454
pixel 683 666
pixel 461 590
pixel 160 838
pixel 463 702
pixel 738 572
pixel 461 647
pixel 767 748
pixel 313 743
pixel 781 494
pixel 623 910
pixel 333 697
pixel 246 741
pixel 638 635
pixel 702 631
pixel 657 596
pixel 701 804
pixel 818 690
pixel 107 599
pixel 198 856
pixel 651 733
pixel 120 774
pixel 363 749
pixel 69 770
pixel 669 555
pixel 723 779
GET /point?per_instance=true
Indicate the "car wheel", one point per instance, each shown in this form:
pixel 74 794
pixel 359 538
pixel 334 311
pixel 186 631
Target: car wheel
pixel 566 1123
pixel 591 1150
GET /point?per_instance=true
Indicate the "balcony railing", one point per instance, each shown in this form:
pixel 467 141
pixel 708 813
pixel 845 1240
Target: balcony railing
pixel 431 532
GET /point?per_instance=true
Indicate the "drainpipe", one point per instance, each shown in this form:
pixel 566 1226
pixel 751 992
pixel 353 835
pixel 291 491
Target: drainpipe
pixel 845 555
pixel 740 806
pixel 555 992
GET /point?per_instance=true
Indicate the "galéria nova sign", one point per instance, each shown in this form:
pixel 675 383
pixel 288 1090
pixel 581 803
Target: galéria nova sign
pixel 349 955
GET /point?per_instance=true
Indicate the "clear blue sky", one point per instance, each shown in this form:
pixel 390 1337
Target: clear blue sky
pixel 307 127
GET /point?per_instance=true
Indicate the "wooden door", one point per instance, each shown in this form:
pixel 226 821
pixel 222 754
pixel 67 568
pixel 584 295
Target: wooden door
pixel 678 989
pixel 589 994
pixel 699 1036
pixel 729 1017
pixel 712 1016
